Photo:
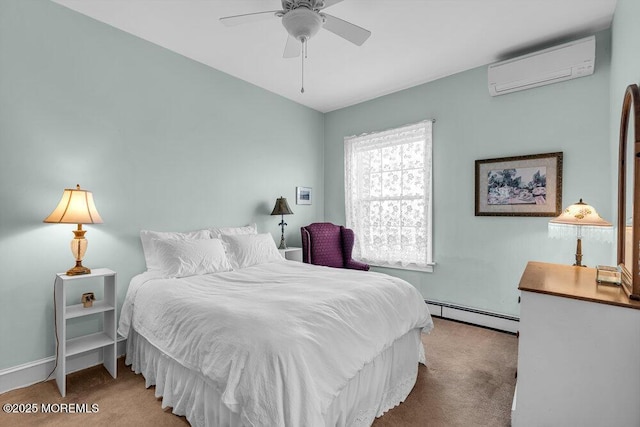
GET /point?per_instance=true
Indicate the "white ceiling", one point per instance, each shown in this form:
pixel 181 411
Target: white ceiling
pixel 412 41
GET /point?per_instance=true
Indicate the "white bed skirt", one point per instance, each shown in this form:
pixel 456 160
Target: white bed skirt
pixel 380 385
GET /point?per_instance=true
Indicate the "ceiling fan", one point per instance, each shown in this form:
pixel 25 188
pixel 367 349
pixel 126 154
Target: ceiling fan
pixel 303 19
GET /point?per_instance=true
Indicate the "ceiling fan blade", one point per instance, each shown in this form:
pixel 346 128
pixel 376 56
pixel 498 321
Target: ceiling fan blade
pixel 346 30
pixel 329 3
pixel 292 48
pixel 230 21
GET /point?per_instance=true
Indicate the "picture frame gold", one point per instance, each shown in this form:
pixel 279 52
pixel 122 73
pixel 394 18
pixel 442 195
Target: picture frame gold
pixel 529 185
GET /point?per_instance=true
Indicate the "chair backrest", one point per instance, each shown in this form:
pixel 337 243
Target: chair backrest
pixel 322 244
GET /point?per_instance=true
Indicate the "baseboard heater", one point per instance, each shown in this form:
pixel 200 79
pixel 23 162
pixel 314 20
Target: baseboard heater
pixel 501 322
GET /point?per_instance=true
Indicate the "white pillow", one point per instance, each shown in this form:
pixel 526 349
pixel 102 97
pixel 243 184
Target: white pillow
pixel 190 257
pixel 216 232
pixel 245 250
pixel 149 250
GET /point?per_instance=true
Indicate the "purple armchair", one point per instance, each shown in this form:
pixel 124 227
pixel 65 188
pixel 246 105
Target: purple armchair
pixel 324 243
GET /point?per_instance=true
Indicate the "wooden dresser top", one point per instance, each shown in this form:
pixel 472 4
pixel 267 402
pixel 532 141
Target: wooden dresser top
pixel 572 282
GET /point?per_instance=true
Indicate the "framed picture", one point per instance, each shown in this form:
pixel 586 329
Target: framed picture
pixel 303 195
pixel 519 186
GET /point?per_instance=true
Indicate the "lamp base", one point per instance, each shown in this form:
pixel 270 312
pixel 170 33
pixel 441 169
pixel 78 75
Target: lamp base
pixel 78 269
pixel 578 262
pixel 283 245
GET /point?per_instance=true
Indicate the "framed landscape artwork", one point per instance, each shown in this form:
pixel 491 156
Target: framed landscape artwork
pixel 519 186
pixel 303 195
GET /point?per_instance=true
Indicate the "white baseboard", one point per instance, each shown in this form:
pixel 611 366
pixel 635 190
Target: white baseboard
pixel 34 372
pixel 474 316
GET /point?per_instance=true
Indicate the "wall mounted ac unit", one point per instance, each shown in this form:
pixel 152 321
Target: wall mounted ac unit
pixel 564 62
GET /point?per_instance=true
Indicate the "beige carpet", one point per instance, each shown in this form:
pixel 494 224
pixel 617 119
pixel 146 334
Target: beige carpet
pixel 469 381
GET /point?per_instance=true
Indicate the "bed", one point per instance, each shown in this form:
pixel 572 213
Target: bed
pixel 232 334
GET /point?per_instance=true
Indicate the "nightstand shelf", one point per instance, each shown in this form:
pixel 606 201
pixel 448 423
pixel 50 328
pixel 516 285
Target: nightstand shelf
pixel 104 341
pixel 87 343
pixel 79 310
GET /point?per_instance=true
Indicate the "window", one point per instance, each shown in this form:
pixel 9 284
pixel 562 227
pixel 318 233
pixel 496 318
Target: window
pixel 388 196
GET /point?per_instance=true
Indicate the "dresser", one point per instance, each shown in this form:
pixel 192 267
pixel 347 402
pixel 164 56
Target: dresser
pixel 578 350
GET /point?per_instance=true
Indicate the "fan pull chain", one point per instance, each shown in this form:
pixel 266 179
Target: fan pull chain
pixel 304 55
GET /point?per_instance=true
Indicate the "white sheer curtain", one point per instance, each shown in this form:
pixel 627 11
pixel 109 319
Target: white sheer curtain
pixel 388 195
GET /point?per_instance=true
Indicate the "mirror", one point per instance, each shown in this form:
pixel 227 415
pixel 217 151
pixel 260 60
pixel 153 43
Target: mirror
pixel 629 192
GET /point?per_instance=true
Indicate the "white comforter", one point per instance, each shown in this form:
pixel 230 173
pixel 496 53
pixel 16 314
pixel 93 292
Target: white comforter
pixel 278 340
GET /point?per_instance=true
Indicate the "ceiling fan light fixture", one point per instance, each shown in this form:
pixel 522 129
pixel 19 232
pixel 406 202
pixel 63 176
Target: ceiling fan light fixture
pixel 302 23
pixel 303 19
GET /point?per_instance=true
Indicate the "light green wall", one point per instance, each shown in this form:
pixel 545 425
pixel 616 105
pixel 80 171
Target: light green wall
pixel 625 57
pixel 625 67
pixel 168 144
pixel 480 259
pixel 163 142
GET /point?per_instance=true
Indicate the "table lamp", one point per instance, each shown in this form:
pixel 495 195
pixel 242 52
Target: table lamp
pixel 282 208
pixel 76 207
pixel 582 221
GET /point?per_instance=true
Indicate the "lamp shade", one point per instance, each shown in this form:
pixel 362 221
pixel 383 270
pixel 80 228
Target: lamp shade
pixel 583 216
pixel 75 207
pixel 281 207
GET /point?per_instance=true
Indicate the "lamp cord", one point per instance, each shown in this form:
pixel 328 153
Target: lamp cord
pixel 55 324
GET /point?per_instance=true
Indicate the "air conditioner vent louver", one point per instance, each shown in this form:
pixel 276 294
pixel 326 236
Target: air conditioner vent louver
pixel 556 64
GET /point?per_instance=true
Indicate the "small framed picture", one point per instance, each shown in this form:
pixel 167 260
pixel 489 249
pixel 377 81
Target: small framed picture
pixel 303 195
pixel 519 186
pixel 87 299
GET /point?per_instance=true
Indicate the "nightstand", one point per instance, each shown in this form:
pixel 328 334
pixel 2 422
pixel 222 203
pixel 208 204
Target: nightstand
pixel 292 254
pixel 105 340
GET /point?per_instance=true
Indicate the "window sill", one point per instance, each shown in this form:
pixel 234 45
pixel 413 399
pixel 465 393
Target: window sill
pixel 427 269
